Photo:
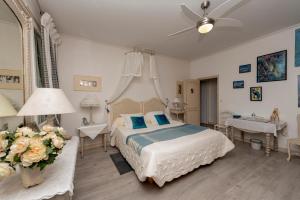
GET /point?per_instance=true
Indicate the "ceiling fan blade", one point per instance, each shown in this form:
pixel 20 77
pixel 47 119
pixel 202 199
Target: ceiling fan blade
pixel 228 22
pixel 220 10
pixel 182 31
pixel 190 13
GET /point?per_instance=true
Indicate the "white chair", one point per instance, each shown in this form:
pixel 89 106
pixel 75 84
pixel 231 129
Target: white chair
pixel 294 141
pixel 221 125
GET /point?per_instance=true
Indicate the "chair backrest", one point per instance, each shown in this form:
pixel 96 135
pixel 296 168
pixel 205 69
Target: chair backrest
pixel 298 123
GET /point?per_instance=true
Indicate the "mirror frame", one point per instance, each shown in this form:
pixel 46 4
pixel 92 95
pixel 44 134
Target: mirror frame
pixel 27 24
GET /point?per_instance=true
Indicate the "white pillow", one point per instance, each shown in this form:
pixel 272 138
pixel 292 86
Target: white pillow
pixel 149 117
pixel 127 119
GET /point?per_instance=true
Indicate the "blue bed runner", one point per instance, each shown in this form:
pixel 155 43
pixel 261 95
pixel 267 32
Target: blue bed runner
pixel 139 141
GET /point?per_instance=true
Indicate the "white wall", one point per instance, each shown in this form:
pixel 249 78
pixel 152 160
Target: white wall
pixel 79 56
pixel 281 94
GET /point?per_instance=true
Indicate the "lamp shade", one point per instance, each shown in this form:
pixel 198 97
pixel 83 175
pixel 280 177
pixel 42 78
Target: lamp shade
pixel 90 101
pixel 47 101
pixel 176 100
pixel 6 109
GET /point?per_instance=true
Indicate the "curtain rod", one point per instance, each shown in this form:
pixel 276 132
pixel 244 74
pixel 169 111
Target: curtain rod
pixel 146 51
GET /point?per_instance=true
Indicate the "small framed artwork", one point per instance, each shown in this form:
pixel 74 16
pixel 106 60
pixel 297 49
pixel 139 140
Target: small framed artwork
pixel 255 93
pixel 297 48
pixel 272 67
pixel 179 88
pixel 11 79
pixel 87 83
pixel 238 84
pixel 244 68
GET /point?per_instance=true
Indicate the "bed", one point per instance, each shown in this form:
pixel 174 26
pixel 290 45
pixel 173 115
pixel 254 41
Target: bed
pixel 169 159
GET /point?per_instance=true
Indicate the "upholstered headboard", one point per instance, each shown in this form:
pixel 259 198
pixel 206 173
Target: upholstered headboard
pixel 153 104
pixel 125 106
pixel 129 106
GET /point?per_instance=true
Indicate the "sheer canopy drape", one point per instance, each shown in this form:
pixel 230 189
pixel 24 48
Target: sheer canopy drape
pixel 132 68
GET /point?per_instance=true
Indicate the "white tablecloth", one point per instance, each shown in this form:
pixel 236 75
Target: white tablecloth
pixel 256 126
pixel 58 178
pixel 93 130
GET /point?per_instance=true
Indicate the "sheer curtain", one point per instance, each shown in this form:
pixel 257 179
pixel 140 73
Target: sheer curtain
pixel 132 68
pixel 155 77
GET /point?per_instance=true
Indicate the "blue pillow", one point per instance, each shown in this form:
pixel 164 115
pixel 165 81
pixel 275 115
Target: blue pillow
pixel 138 122
pixel 161 119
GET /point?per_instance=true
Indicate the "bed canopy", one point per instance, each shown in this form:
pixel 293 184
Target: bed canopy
pixel 132 68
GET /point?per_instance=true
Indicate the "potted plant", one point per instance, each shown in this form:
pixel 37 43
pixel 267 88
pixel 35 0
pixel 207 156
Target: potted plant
pixel 31 151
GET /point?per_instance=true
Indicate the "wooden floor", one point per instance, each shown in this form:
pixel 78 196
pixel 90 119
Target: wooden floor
pixel 242 174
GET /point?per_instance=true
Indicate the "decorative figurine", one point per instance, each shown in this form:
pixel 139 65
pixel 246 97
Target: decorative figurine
pixel 275 115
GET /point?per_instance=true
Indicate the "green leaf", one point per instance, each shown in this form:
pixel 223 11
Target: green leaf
pixel 17 159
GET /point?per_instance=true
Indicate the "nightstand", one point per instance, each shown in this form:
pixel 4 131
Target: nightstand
pixel 177 113
pixel 92 131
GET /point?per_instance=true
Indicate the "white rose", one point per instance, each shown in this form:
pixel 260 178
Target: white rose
pixel 36 152
pixel 3 145
pixel 5 170
pixel 48 128
pixel 58 142
pixel 25 131
pixel 3 133
pixel 19 145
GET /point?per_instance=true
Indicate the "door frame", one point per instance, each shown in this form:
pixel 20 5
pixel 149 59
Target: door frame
pixel 218 93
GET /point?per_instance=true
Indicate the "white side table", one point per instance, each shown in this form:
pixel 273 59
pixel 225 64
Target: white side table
pixel 177 113
pixel 92 131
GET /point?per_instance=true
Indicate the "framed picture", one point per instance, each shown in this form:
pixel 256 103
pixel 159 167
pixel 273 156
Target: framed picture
pixel 297 48
pixel 272 67
pixel 87 83
pixel 179 88
pixel 238 84
pixel 11 79
pixel 245 68
pixel 255 93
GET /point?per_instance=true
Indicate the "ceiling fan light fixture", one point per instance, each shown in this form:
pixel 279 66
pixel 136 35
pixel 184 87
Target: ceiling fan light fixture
pixel 205 25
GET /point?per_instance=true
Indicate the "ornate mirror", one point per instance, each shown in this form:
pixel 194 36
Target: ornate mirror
pixel 11 68
pixel 15 61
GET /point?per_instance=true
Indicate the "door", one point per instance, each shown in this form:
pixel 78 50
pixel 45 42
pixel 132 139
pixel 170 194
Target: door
pixel 191 98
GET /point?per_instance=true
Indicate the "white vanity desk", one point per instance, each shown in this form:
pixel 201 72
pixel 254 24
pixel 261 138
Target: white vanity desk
pixel 258 126
pixel 58 183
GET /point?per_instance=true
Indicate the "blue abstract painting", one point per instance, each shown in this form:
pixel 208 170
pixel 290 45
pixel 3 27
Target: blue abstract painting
pixel 272 67
pixel 245 68
pixel 297 48
pixel 238 84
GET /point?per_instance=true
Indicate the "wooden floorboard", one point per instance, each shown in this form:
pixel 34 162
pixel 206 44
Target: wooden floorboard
pixel 243 174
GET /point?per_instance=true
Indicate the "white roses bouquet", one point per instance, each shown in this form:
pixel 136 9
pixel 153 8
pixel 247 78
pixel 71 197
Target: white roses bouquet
pixel 30 149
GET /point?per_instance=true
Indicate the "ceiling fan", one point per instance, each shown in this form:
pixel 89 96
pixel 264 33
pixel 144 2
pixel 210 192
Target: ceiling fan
pixel 206 22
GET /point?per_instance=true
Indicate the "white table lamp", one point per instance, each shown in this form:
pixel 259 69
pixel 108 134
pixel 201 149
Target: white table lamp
pixel 176 103
pixel 90 102
pixel 46 101
pixel 6 109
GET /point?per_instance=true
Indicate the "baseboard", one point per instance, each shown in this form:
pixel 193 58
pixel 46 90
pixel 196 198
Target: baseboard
pixel 294 151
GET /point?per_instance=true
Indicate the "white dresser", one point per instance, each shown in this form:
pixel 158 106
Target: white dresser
pixel 58 183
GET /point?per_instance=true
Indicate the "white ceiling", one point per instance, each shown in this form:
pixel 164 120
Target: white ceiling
pixel 146 23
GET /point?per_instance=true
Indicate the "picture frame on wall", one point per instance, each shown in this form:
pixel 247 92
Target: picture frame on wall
pixel 87 83
pixel 297 47
pixel 256 93
pixel 11 79
pixel 272 67
pixel 245 68
pixel 179 88
pixel 238 84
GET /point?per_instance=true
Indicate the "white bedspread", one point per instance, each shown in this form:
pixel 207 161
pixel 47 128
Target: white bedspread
pixel 166 160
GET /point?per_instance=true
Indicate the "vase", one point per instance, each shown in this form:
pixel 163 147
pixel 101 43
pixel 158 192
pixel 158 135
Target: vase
pixel 31 176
